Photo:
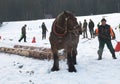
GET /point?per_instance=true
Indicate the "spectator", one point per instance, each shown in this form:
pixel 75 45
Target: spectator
pixel 23 33
pixel 91 28
pixel 85 29
pixel 44 29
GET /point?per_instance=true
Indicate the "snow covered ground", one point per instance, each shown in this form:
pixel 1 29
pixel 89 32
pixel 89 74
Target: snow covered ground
pixel 16 69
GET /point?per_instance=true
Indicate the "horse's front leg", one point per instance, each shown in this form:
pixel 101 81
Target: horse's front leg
pixel 71 67
pixel 56 61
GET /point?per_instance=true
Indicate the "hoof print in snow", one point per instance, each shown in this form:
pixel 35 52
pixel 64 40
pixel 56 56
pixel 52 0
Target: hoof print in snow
pixel 20 71
pixel 31 81
pixel 30 72
pixel 21 66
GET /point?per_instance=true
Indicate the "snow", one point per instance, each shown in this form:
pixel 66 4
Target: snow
pixel 15 69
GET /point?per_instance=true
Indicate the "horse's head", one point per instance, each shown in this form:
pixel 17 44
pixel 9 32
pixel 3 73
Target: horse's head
pixel 66 23
pixel 71 23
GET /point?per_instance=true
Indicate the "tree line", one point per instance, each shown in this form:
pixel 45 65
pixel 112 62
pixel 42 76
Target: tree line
pixel 12 10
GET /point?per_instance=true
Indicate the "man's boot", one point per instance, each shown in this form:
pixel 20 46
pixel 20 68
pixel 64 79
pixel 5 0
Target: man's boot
pixel 113 55
pixel 99 55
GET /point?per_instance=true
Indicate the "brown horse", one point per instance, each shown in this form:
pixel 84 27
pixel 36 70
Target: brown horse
pixel 65 35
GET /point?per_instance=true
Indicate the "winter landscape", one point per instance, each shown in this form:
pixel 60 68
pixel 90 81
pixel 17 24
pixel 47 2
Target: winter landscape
pixel 15 69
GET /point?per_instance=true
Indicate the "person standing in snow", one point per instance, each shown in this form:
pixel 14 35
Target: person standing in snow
pixel 85 29
pixel 91 28
pixel 44 29
pixel 0 23
pixel 23 33
pixel 105 32
pixel 80 24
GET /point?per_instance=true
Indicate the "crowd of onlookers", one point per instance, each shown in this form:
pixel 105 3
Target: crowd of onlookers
pixel 104 32
pixel 85 27
pixel 23 32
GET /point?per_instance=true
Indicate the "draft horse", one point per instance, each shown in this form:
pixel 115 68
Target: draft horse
pixel 65 35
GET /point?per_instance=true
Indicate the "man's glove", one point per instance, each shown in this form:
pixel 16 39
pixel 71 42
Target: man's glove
pixel 98 24
pixel 113 38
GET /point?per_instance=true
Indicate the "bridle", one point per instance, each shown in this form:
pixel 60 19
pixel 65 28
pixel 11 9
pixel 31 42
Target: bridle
pixel 66 30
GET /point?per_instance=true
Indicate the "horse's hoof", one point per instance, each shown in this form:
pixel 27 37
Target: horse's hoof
pixel 75 63
pixel 55 69
pixel 72 70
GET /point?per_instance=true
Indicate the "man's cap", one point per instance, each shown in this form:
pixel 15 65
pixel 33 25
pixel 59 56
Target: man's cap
pixel 103 20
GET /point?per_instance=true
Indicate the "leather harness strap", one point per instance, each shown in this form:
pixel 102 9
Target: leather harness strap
pixel 58 34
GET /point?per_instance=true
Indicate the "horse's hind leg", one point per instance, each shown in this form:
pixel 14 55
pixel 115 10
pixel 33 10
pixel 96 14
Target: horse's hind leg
pixel 74 53
pixel 56 61
pixel 71 67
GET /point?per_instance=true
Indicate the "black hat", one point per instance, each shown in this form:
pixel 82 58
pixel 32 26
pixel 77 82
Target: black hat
pixel 103 20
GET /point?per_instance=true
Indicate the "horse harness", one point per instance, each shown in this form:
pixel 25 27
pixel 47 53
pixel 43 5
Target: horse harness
pixel 74 31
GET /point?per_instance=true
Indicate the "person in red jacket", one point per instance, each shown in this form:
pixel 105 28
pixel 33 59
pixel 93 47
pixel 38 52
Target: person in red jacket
pixel 105 34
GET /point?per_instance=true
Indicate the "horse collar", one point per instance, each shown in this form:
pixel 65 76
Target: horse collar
pixel 54 30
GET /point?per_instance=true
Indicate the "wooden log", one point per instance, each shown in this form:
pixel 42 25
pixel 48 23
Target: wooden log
pixel 30 51
pixel 37 52
pixel 14 51
pixel 41 55
pixel 33 48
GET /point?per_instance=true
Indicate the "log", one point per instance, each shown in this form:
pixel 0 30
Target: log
pixel 30 51
pixel 46 50
pixel 37 51
pixel 33 48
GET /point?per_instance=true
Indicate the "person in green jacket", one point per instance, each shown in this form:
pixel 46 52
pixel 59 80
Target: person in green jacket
pixel 23 33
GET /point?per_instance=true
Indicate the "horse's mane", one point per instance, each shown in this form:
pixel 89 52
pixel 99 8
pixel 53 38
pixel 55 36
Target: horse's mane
pixel 60 18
